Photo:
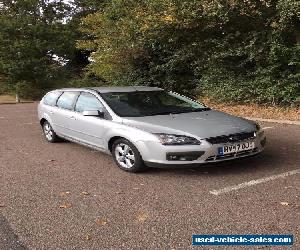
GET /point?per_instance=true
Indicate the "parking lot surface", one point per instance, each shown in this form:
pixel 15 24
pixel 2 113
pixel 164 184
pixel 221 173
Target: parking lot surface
pixel 66 196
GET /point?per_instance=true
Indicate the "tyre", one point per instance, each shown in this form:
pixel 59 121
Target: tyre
pixel 126 156
pixel 49 133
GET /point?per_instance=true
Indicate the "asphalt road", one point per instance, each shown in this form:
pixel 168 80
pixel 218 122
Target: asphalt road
pixel 66 196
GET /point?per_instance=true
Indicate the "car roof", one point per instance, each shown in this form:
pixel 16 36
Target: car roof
pixel 114 89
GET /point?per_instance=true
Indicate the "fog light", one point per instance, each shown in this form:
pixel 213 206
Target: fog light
pixel 184 156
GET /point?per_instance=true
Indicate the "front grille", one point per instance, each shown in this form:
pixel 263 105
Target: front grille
pixel 231 138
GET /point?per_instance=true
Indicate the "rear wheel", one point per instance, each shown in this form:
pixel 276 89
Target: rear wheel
pixel 49 133
pixel 127 156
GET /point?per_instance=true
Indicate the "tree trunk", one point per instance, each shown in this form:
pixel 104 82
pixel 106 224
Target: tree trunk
pixel 17 98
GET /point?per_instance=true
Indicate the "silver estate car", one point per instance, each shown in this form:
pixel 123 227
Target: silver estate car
pixel 147 126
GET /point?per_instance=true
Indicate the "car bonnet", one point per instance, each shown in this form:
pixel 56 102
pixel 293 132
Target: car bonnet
pixel 203 124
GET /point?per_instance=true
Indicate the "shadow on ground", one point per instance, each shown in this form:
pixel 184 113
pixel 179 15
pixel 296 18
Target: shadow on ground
pixel 8 239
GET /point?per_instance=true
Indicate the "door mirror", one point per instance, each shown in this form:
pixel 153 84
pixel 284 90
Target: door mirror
pixel 96 113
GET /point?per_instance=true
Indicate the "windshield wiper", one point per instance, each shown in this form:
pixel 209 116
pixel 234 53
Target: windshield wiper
pixel 161 113
pixel 196 110
pixel 178 111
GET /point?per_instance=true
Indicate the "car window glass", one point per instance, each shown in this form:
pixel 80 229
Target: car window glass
pixel 51 98
pixel 147 103
pixel 66 100
pixel 87 101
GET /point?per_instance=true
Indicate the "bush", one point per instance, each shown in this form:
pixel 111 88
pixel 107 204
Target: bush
pixel 84 82
pixel 27 90
pixel 237 51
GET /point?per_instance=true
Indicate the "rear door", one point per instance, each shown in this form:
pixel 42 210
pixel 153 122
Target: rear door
pixel 63 114
pixel 89 129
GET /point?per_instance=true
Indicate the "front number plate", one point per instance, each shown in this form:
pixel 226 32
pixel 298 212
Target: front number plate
pixel 229 149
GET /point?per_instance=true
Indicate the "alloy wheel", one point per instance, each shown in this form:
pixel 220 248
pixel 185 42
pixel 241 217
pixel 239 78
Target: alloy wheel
pixel 124 155
pixel 48 131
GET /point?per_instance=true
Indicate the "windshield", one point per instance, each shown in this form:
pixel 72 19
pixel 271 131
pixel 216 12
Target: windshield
pixel 149 103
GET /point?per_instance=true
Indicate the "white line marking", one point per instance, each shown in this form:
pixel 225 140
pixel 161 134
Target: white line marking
pixel 32 115
pixel 23 111
pixel 254 182
pixel 265 128
pixel 21 117
pixel 28 123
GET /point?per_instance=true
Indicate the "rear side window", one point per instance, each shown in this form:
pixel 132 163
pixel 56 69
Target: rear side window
pixel 66 100
pixel 51 98
pixel 87 101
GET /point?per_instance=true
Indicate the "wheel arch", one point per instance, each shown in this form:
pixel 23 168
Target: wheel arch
pixel 113 139
pixel 42 121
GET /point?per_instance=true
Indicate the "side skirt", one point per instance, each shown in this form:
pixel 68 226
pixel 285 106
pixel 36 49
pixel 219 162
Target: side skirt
pixel 103 150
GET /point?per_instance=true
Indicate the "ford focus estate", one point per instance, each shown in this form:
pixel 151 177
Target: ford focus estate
pixel 147 127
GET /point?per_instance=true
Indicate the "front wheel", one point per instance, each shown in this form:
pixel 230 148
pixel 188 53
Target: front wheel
pixel 127 156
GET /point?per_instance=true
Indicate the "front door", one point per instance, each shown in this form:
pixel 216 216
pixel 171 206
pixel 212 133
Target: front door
pixel 89 129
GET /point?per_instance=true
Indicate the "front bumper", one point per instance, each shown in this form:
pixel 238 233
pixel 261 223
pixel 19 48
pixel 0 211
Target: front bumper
pixel 156 155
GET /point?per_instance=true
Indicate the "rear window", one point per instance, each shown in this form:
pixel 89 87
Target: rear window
pixel 51 98
pixel 66 100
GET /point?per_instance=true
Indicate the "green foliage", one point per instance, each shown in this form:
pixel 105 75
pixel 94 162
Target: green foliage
pixel 37 44
pixel 27 91
pixel 234 51
pixel 85 82
pixel 242 51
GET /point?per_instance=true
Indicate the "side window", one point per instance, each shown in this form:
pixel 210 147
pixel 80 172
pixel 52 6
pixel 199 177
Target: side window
pixel 51 98
pixel 87 101
pixel 66 100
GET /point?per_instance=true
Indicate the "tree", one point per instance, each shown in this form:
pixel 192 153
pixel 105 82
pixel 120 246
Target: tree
pixel 80 9
pixel 231 50
pixel 36 43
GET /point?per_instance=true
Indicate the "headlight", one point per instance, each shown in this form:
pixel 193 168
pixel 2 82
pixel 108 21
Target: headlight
pixel 167 139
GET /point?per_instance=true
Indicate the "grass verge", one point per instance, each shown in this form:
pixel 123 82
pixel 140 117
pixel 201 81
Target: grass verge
pixel 254 110
pixel 10 99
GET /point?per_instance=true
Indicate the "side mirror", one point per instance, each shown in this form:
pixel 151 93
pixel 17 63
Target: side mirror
pixel 96 113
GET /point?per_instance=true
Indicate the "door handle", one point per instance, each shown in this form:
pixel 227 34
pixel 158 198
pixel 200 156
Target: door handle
pixel 51 112
pixel 72 118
